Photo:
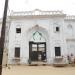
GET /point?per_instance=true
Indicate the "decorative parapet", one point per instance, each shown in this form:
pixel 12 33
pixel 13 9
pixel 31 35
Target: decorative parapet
pixel 37 12
pixel 70 17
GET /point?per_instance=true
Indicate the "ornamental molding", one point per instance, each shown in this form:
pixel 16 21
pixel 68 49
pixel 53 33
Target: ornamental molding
pixel 36 12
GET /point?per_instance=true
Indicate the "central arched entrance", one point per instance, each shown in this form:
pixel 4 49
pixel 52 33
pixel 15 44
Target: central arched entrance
pixel 38 44
pixel 37 47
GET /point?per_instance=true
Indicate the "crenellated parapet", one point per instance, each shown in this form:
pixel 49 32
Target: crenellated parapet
pixel 37 12
pixel 70 17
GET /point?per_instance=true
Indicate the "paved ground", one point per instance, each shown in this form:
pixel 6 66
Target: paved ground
pixel 38 70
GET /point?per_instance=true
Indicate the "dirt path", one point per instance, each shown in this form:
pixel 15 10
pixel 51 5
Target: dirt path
pixel 38 70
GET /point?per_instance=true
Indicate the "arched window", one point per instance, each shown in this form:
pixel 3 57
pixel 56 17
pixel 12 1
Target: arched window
pixel 56 27
pixel 37 37
pixel 69 26
pixel 70 30
pixel 18 28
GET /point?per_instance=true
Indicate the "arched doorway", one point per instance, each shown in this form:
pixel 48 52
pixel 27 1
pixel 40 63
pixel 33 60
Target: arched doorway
pixel 38 44
pixel 37 47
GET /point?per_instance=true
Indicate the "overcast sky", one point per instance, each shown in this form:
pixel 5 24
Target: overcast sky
pixel 68 6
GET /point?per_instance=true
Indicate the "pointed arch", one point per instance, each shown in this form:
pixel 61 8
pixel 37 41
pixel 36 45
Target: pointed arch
pixel 39 29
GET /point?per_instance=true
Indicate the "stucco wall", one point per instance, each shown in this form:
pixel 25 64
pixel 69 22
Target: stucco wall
pixel 27 26
pixel 65 38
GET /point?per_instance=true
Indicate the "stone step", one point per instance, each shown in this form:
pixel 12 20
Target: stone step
pixel 38 63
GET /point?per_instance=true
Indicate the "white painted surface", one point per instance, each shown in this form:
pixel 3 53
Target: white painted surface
pixel 44 24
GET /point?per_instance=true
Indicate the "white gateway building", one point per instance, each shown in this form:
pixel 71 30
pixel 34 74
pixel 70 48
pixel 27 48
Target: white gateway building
pixel 39 36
